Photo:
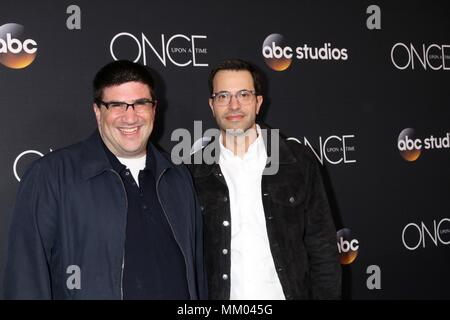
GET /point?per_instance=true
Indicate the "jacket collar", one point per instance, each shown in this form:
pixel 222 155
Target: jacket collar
pixel 95 160
pixel 285 154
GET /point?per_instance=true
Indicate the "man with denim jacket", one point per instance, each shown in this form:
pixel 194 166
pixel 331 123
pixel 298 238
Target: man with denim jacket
pixel 268 233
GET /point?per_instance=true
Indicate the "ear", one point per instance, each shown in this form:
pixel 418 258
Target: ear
pixel 97 112
pixel 259 101
pixel 211 106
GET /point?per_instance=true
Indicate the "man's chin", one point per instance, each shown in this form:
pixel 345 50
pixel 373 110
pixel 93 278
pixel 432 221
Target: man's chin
pixel 132 151
pixel 133 154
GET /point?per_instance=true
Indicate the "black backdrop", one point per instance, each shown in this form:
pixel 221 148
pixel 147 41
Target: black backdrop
pixel 391 206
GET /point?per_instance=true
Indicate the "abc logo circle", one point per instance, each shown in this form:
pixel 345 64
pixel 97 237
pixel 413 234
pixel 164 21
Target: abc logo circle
pixel 16 52
pixel 409 147
pixel 347 246
pixel 277 56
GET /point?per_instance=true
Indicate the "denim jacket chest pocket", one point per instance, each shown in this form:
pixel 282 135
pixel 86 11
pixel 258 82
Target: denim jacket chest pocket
pixel 285 208
pixel 288 197
pixel 287 189
pixel 286 202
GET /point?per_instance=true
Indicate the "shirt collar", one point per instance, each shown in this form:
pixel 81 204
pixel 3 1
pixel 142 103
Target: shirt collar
pixel 119 167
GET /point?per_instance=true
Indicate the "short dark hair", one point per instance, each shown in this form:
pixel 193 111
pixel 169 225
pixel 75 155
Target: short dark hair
pixel 119 72
pixel 237 65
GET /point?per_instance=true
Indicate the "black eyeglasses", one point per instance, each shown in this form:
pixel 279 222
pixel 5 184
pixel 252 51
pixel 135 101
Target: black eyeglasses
pixel 140 105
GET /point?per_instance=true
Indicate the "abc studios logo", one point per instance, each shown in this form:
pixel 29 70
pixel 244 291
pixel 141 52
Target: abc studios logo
pixel 411 147
pixel 14 52
pixel 279 57
pixel 347 246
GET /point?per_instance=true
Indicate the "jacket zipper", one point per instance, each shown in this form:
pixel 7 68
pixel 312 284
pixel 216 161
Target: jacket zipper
pixel 170 225
pixel 123 250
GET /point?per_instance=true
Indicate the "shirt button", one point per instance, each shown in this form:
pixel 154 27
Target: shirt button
pixel 226 223
pixel 127 173
pixel 202 208
pixel 144 207
pixel 270 217
pixel 291 199
pixel 280 269
pixel 225 276
pixel 225 199
pixel 225 251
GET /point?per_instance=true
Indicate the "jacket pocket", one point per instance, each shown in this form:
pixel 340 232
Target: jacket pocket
pixel 287 197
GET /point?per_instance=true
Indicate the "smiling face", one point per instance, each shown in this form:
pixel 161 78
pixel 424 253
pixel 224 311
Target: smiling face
pixel 235 115
pixel 125 133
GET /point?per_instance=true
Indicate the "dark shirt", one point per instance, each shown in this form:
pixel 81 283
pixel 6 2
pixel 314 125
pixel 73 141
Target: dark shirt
pixel 154 266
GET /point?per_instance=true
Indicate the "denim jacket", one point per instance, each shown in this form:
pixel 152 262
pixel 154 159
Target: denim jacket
pixel 300 227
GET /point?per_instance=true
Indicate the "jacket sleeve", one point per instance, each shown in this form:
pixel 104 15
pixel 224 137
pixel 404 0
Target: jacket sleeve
pixel 199 255
pixel 202 284
pixel 320 241
pixel 27 269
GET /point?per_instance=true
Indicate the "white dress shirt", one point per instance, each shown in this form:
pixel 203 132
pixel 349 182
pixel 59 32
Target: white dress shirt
pixel 253 274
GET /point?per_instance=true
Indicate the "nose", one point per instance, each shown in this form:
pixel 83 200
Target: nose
pixel 129 116
pixel 234 103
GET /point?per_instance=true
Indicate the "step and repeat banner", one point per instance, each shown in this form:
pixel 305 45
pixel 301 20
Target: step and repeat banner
pixel 364 84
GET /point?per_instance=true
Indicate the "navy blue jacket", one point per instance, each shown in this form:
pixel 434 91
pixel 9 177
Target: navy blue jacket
pixel 67 232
